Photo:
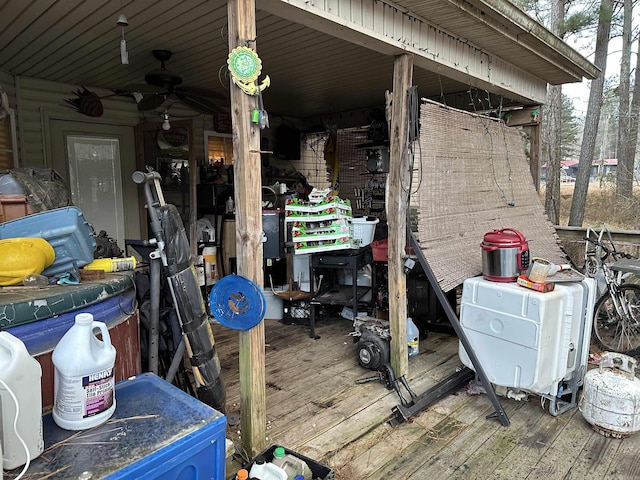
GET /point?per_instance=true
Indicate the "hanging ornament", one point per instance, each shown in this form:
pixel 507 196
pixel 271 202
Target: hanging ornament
pixel 86 102
pixel 245 67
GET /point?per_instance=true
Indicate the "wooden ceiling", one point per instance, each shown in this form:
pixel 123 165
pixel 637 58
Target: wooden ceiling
pixel 312 73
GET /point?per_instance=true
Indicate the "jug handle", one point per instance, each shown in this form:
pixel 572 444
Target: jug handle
pixel 106 339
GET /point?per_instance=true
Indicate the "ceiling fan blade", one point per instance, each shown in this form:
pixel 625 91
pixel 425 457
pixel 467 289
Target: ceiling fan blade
pixel 149 102
pixel 200 104
pixel 199 92
pixel 144 88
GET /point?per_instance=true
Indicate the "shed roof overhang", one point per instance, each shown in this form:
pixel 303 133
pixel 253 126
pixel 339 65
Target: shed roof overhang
pixel 487 44
pixel 323 57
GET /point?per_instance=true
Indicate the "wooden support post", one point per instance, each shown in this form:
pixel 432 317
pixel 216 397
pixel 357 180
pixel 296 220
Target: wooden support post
pixel 397 208
pixel 530 119
pixel 248 196
pixel 534 152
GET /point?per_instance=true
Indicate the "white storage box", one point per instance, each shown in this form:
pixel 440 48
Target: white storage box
pixel 301 271
pixel 525 339
pixel 364 229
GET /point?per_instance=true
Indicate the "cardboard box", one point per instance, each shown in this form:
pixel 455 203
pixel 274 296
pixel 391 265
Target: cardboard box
pixel 14 205
pixel 523 281
pixel 335 231
pixel 335 208
pixel 327 245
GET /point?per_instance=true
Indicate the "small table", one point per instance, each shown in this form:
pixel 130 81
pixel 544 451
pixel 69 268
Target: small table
pixel 340 295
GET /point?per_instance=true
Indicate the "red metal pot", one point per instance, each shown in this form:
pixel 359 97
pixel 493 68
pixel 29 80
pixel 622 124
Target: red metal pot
pixel 505 255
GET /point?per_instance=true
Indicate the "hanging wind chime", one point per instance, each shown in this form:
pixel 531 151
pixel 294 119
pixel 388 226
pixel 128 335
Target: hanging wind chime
pixel 124 55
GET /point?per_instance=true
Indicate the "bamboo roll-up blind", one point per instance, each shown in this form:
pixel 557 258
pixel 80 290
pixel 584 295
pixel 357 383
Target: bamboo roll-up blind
pixel 473 178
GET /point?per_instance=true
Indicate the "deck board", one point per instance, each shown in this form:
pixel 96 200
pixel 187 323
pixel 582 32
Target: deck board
pixel 315 407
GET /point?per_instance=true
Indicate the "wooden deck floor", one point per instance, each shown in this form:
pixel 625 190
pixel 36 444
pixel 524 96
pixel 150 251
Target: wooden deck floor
pixel 315 407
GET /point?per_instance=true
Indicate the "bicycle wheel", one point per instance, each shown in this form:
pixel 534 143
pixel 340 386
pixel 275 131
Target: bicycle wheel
pixel 611 331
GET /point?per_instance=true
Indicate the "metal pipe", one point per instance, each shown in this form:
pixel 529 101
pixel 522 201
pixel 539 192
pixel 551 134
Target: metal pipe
pixel 154 313
pixel 175 361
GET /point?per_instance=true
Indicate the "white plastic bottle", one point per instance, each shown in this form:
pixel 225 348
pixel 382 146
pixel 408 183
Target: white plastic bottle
pixel 84 384
pixel 291 464
pixel 266 470
pixel 21 374
pixel 209 260
pixel 413 338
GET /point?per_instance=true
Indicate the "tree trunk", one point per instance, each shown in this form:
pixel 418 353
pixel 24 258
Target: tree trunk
pixel 634 117
pixel 593 116
pixel 554 127
pixel 553 117
pixel 624 173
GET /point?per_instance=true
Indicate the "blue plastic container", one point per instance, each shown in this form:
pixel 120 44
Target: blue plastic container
pixel 66 229
pixel 158 432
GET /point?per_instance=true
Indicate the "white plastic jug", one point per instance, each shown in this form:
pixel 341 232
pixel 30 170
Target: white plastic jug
pixel 291 464
pixel 413 338
pixel 84 384
pixel 21 375
pixel 266 470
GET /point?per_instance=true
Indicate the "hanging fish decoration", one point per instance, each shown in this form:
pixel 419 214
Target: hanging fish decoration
pixel 87 103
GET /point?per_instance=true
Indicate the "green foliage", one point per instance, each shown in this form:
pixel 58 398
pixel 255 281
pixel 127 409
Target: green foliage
pixel 570 147
pixel 579 14
pixel 534 8
pixel 578 21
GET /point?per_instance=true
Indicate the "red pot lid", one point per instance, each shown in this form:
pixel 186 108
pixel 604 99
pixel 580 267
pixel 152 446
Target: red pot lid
pixel 505 237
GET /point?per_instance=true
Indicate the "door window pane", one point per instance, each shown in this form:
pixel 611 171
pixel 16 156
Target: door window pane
pixel 95 182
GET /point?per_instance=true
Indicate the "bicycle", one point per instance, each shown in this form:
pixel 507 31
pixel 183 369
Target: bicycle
pixel 616 316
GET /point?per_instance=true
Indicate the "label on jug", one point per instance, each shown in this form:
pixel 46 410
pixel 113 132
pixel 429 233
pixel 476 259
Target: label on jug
pixel 86 396
pixel 413 346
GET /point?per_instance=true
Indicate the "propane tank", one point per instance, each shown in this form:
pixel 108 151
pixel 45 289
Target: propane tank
pixel 610 399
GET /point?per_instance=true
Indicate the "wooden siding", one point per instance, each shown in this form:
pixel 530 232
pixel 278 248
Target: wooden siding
pixel 41 101
pixel 6 141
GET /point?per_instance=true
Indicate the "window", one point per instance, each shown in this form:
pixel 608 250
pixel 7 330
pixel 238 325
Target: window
pixel 219 148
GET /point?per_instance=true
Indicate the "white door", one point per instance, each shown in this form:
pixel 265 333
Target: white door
pixel 90 158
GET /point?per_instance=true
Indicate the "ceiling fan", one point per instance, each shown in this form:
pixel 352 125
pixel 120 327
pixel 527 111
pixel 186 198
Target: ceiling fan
pixel 162 84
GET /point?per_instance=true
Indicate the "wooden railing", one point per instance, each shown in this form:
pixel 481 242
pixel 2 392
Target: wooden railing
pixel 572 240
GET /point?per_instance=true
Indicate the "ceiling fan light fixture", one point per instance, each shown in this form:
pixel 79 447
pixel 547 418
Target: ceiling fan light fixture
pixel 122 21
pixel 165 121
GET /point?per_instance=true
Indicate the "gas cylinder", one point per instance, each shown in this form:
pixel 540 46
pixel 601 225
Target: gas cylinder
pixel 610 399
